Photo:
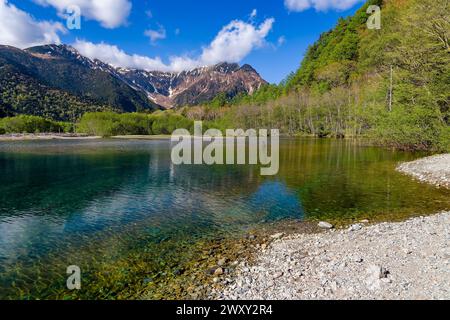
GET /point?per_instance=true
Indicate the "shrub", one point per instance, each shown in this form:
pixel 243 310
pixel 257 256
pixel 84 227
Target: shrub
pixel 103 124
pixel 108 124
pixel 29 124
pixel 414 128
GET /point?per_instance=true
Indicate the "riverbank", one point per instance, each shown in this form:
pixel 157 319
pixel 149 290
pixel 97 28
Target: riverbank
pixel 72 136
pixel 45 136
pixel 406 260
pixel 143 137
pixel 389 260
pixel 434 170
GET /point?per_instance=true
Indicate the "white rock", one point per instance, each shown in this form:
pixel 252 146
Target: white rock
pixel 277 236
pixel 325 225
pixel 355 227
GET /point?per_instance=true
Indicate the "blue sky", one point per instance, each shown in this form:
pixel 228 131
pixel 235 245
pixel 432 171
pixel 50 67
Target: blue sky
pixel 271 35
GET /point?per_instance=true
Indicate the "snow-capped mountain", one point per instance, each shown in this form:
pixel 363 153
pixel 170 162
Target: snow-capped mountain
pixel 90 82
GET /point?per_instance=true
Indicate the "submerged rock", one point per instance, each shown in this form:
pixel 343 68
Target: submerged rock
pixel 178 272
pixel 218 272
pixel 222 262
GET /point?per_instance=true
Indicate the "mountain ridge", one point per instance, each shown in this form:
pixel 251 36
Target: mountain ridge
pixel 196 86
pixel 100 86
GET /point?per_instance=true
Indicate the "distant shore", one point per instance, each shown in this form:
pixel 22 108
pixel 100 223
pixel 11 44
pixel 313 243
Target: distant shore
pixel 143 137
pixel 389 260
pixel 66 136
pixel 45 136
pixel 73 136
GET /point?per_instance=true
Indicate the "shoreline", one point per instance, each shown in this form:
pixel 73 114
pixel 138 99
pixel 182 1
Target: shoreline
pixel 390 260
pixel 74 136
pixel 385 260
pixel 45 136
pixel 434 170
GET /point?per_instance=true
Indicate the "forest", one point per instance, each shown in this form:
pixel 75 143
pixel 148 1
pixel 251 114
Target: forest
pixel 390 85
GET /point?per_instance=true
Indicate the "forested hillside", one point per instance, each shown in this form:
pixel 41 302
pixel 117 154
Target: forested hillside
pixel 391 84
pixel 58 83
pixel 21 94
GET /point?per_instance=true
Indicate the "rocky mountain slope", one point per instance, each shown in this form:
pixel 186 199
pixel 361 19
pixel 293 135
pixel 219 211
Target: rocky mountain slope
pixel 62 68
pixel 56 81
pixel 196 86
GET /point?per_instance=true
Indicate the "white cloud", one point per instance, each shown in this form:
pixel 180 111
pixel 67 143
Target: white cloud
pixel 117 57
pixel 254 13
pixel 19 29
pixel 233 43
pixel 110 13
pixel 156 35
pixel 320 5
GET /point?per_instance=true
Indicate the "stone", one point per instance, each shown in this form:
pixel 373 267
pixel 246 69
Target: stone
pixel 278 275
pixel 377 272
pixel 218 272
pixel 178 272
pixel 277 236
pixel 355 227
pixel 325 225
pixel 222 262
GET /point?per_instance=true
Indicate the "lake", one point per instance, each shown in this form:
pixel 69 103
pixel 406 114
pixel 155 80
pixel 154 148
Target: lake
pixel 122 212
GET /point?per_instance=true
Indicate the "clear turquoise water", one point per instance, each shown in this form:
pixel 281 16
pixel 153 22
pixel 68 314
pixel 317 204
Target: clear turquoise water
pixel 90 202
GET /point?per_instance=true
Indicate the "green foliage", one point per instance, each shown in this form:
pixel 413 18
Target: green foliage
pixel 167 122
pixel 219 101
pixel 392 84
pixel 62 87
pixel 265 93
pixel 21 94
pixel 31 124
pixel 412 128
pixel 107 124
pixel 103 124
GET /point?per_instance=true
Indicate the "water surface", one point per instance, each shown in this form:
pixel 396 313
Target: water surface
pixel 101 204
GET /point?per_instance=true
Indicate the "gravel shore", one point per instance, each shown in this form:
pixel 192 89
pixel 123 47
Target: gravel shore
pixel 434 170
pixel 44 136
pixel 406 260
pixel 391 260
